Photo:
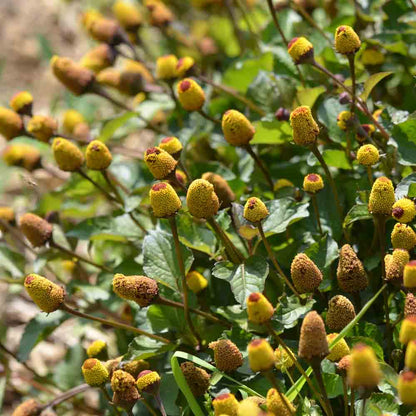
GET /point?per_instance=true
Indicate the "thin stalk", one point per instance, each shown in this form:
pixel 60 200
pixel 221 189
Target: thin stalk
pixel 345 394
pixel 114 324
pixel 116 192
pixel 148 407
pixel 137 222
pixel 370 175
pixel 292 382
pixel 183 168
pixel 160 404
pixel 270 376
pixel 316 366
pixel 208 117
pixel 178 106
pixel 233 253
pixel 60 398
pixel 233 18
pixel 316 209
pixel 260 164
pixel 242 7
pixel 352 403
pixel 174 228
pixel 274 260
pixel 351 61
pixel 357 301
pixel 97 185
pixel 109 399
pixel 413 4
pixel 364 406
pixel 79 257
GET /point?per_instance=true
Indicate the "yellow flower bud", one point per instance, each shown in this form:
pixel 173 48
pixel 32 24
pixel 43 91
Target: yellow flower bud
pixel 98 349
pixel 164 200
pixel 410 305
pixel 339 350
pixel 305 129
pixel 404 210
pixel 368 155
pixel 140 289
pixel 110 77
pixel 225 404
pixel 395 265
pixel 345 119
pixel 190 95
pixel 20 154
pixel 305 274
pixel 408 329
pixel 313 183
pixel 135 367
pixel 410 357
pixel 259 309
pixel 350 272
pixel 372 57
pixel 37 230
pixel 98 58
pixel 409 275
pixel 94 372
pixel 237 129
pixel 225 194
pixel 42 127
pixel 249 407
pixel 160 163
pixel 340 313
pixel 172 145
pixel 128 15
pixel 312 342
pixel 260 355
pixel 364 131
pixel 29 407
pixel 201 199
pixel 160 15
pixel 279 404
pixel 22 103
pixel 7 215
pixel 196 281
pixel 283 361
pixel 406 386
pixel 346 40
pixel 67 155
pixel 403 236
pixel 97 156
pixel 227 356
pixel 71 119
pixel 73 76
pixel 184 66
pixel 131 66
pixel 282 183
pixel 196 378
pixel 300 50
pixel 148 381
pixel 104 30
pixel 11 125
pixel 255 211
pixel 166 67
pixel 47 295
pixel 364 370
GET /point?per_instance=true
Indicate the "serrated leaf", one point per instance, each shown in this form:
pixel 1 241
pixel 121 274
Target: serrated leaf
pixel 245 278
pixel 371 82
pixel 290 310
pixel 358 212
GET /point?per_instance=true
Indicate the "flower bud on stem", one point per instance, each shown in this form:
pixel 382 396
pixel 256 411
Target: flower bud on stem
pixel 270 376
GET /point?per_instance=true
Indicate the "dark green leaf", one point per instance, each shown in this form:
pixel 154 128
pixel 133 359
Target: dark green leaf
pixel 289 310
pixel 371 82
pixel 143 348
pixel 356 213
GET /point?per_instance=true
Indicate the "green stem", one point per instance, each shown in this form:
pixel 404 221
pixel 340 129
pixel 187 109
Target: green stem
pixel 97 185
pixel 345 394
pixel 109 399
pixel 316 209
pixel 208 117
pixel 160 404
pixel 364 406
pixel 351 61
pixel 270 376
pixel 260 164
pixel 60 398
pixel 316 366
pixel 116 192
pixel 352 403
pixel 370 175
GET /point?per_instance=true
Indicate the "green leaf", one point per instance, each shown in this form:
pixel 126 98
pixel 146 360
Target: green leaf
pixel 358 212
pixel 403 187
pixel 160 261
pixel 289 310
pixel 371 82
pixel 308 96
pixel 110 127
pixel 67 373
pixel 379 403
pixel 327 113
pixel 36 330
pixel 245 278
pixel 333 385
pixel 143 348
pixel 12 262
pixel 337 159
pixel 284 212
pixel 405 136
pixel 271 132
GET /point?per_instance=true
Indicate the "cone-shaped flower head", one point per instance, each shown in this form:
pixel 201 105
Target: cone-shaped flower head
pixel 343 365
pixel 404 210
pixel 395 264
pixel 148 381
pixel 225 404
pixel 128 15
pixel 47 295
pixel 409 275
pixel 339 350
pixel 135 367
pixel 283 361
pixel 160 163
pixel 201 199
pixel 346 40
pixel 313 183
pixel 67 155
pixel 406 386
pixel 181 178
pixel 11 125
pixel 140 289
pixel 237 129
pixel 410 305
pixel 225 194
pixel 305 129
pixel 98 156
pixel 350 272
pixel 166 67
pixel 305 274
pixel 381 197
pixel 345 119
pixel 29 407
pixel 364 370
pixel 403 236
pixel 259 309
pixel 22 103
pixel 197 378
pixel 300 50
pixel 95 373
pixel 410 357
pixel 164 200
pixel 23 155
pixel 227 356
pixel 42 127
pixel 37 230
pixel 196 281
pixel 368 155
pixel 190 95
pixel 123 385
pixel 279 404
pixel 408 329
pixel 104 30
pixel 260 355
pixel 98 349
pixel 255 211
pixel 312 342
pixel 185 66
pixel 340 313
pixel 98 58
pixel 73 76
pixel 71 119
pixel 172 145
